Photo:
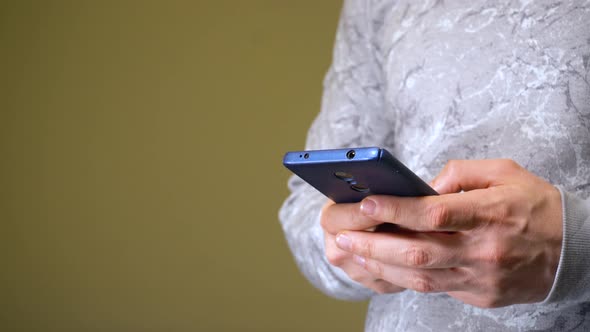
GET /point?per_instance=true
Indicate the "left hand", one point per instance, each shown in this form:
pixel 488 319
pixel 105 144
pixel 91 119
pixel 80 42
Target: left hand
pixel 496 243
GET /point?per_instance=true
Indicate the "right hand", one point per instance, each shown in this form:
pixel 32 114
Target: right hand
pixel 339 217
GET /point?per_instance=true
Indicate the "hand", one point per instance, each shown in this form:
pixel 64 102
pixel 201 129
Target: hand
pixel 339 217
pixel 496 243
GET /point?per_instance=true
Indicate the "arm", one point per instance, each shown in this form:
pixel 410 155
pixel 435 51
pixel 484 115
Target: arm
pixel 351 87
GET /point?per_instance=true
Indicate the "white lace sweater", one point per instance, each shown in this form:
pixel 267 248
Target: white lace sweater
pixel 436 80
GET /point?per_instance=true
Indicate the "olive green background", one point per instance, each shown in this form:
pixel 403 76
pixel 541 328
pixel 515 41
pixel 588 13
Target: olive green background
pixel 140 158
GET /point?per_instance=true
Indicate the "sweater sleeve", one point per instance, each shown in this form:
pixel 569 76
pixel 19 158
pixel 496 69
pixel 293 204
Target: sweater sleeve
pixel 351 88
pixel 572 280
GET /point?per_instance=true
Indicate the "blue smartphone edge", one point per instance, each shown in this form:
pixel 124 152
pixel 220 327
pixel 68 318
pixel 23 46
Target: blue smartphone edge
pixel 371 167
pixel 332 155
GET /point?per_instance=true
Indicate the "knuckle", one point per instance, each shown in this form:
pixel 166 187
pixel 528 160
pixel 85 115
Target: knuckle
pixel 367 249
pixel 334 257
pixel 452 166
pixel 500 213
pixel 497 256
pixel 351 213
pixel 357 275
pixel 376 269
pixel 417 257
pixel 470 278
pixel 509 165
pixel 391 211
pixel 422 283
pixel 438 216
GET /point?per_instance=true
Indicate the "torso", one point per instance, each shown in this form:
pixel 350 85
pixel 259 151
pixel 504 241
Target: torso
pixel 485 79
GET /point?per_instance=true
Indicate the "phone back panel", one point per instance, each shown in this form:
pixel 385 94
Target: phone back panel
pixel 347 178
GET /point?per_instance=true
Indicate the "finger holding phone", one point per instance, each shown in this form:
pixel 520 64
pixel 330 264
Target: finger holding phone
pixel 347 176
pixel 492 238
pixel 336 218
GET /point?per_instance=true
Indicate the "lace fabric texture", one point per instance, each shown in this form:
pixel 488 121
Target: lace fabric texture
pixel 438 80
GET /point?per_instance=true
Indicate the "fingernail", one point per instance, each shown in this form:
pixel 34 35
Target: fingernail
pixel 360 260
pixel 344 242
pixel 368 207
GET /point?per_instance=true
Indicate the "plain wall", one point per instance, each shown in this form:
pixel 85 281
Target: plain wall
pixel 141 146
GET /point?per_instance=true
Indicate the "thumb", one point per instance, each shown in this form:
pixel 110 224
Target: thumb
pixel 465 175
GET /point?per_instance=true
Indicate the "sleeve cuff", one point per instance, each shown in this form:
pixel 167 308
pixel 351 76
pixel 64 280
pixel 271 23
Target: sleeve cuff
pixel 572 279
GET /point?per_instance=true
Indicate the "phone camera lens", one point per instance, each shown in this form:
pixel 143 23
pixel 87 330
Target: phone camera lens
pixel 350 154
pixel 347 177
pixel 306 155
pixel 360 188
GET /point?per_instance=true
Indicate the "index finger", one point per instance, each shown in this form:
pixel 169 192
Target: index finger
pixel 450 212
pixel 345 216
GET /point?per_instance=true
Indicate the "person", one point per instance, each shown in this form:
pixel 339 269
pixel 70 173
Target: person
pixel 491 100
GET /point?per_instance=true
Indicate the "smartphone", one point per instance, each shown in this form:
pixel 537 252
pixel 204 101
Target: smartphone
pixel 349 175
